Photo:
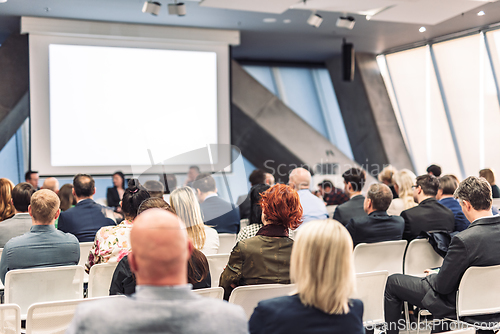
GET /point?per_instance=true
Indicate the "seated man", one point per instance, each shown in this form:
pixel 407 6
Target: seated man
pixel 43 245
pixel 51 183
pixel 154 188
pixel 331 195
pixel 21 222
pixel 164 301
pixel 447 186
pixel 377 226
pixel 87 217
pixel 429 215
pixel 223 216
pixel 354 181
pixel 314 208
pixel 475 246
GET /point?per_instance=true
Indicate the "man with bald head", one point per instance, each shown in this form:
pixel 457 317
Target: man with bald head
pixel 51 183
pixel 43 245
pixel 314 208
pixel 163 302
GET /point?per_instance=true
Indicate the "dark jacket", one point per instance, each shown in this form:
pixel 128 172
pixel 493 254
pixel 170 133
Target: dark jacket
pixel 221 215
pixel 112 197
pixel 244 206
pixel 461 223
pixel 429 215
pixel 378 226
pixel 84 220
pixel 288 315
pixel 351 209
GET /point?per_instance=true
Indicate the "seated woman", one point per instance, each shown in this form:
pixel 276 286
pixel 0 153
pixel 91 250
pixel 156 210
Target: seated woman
pixel 403 183
pixel 323 271
pixel 115 194
pixel 255 219
pixel 6 207
pixel 265 258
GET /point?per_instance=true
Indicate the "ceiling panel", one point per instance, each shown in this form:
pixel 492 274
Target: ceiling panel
pixel 265 6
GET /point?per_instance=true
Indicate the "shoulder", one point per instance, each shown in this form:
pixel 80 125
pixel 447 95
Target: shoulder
pixel 67 237
pixel 356 306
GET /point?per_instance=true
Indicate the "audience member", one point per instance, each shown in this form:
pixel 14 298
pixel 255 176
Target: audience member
pixel 192 174
pixel 255 178
pixel 488 174
pixel 403 184
pixel 265 258
pixel 386 176
pixel 155 188
pixel 43 245
pixel 255 220
pixel 187 208
pixel 66 197
pixel 312 206
pixel 447 187
pixel 223 216
pixel 112 243
pixel 354 181
pixel 51 183
pixel 434 170
pixel 270 179
pixel 170 183
pixel 163 302
pixel 115 194
pixel 378 226
pixel 477 246
pixel 32 178
pixel 21 222
pixel 330 194
pixel 429 215
pixel 7 209
pixel 87 217
pixel 323 272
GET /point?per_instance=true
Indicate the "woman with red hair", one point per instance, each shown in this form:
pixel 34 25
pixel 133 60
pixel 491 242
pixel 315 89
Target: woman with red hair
pixel 265 258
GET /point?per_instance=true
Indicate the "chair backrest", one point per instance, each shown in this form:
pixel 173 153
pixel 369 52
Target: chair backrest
pixel 479 291
pixel 100 276
pixel 217 292
pixel 496 202
pixel 249 296
pixel 10 319
pixel 226 242
pixel 28 286
pixel 331 210
pixel 463 331
pixel 1 284
pixel 84 252
pixel 216 264
pixel 420 256
pixel 370 288
pixel 387 255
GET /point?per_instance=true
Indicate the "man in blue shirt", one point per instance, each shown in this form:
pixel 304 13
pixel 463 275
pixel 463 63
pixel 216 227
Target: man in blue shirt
pixel 314 208
pixel 43 245
pixel 447 186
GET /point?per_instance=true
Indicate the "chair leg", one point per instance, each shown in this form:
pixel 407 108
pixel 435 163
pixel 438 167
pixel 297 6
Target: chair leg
pixel 418 321
pixel 407 317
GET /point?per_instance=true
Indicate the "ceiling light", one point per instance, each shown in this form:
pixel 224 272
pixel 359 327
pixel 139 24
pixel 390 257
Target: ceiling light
pixel 177 8
pixel 422 29
pixel 315 20
pixel 151 7
pixel 481 13
pixel 346 22
pixel 286 21
pixel 269 20
pixel 2 1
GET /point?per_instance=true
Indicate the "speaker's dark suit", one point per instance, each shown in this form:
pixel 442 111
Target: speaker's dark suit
pixel 429 215
pixel 113 197
pixel 221 215
pixel 350 209
pixel 378 226
pixel 84 220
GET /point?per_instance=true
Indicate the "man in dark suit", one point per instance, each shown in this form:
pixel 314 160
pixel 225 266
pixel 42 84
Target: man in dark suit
pixel 354 181
pixel 476 246
pixel 429 215
pixel 257 177
pixel 378 226
pixel 87 217
pixel 223 216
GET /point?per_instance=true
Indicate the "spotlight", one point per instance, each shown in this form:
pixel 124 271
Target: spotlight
pixel 481 13
pixel 151 7
pixel 315 20
pixel 177 9
pixel 422 29
pixel 346 22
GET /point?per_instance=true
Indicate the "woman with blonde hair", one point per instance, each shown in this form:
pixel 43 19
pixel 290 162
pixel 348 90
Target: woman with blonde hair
pixel 186 206
pixel 386 176
pixel 404 180
pixel 322 269
pixel 6 206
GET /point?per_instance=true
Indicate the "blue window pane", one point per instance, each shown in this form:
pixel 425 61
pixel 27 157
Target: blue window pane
pixel 264 76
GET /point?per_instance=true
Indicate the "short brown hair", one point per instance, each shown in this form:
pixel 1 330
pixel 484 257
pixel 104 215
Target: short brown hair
pixel 429 184
pixel 488 175
pixel 205 182
pixel 44 206
pixel 448 184
pixel 381 196
pixel 476 191
pixel 21 196
pixel 154 203
pixel 154 188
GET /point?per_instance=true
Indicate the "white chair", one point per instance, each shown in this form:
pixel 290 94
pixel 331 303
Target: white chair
pixel 331 210
pixel 84 252
pixel 100 276
pixel 370 288
pixel 1 284
pixel 462 331
pixel 10 319
pixel 217 292
pixel 249 296
pixel 226 242
pixel 387 255
pixel 216 265
pixel 103 201
pixel 420 256
pixel 28 286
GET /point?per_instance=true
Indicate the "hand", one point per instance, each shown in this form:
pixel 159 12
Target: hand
pixel 427 272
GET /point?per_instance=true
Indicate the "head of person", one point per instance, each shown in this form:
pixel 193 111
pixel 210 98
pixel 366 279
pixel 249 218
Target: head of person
pixel 475 197
pixel 119 180
pixel 6 206
pixel 281 206
pixel 354 181
pixel 426 186
pixel 51 183
pixel 132 199
pixel 447 186
pixel 32 178
pixel 257 177
pixel 325 187
pixel 21 196
pixel 300 178
pixel 154 203
pixel 255 208
pixel 155 188
pixel 66 197
pixel 270 179
pixel 83 186
pixel 434 170
pixel 378 198
pixel 187 208
pixel 404 180
pixel 321 266
pixel 170 183
pixel 488 174
pixel 193 172
pixel 387 174
pixel 44 207
pixel 160 249
pixel 204 185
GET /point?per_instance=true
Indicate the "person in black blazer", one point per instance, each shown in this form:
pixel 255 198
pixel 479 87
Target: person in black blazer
pixel 429 215
pixel 475 246
pixel 243 201
pixel 223 216
pixel 87 217
pixel 114 194
pixel 354 180
pixel 378 226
